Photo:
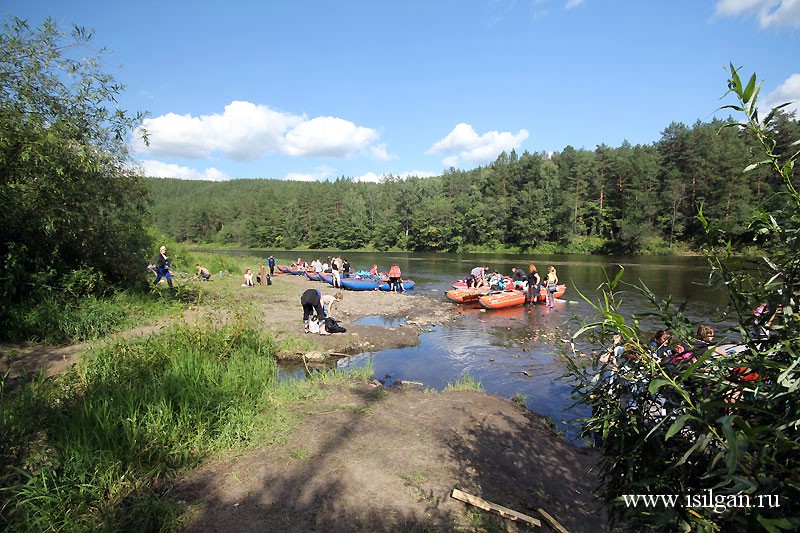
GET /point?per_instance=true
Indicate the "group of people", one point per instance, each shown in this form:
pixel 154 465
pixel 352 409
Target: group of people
pixel 338 266
pixel 262 277
pixel 624 370
pixel 341 269
pixel 531 282
pixel 394 277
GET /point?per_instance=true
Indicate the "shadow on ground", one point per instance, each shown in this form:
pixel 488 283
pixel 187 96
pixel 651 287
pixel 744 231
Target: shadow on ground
pixel 374 459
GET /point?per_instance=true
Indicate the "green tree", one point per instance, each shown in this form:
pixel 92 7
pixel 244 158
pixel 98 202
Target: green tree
pixel 70 199
pixel 351 228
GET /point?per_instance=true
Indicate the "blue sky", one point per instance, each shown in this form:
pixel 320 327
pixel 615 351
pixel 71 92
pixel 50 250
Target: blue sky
pixel 319 89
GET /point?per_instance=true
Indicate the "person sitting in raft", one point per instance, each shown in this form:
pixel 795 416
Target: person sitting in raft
pixel 497 281
pixel 704 339
pixel 373 273
pixel 395 279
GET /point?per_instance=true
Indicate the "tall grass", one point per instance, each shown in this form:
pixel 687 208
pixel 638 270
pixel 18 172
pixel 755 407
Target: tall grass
pixel 90 450
pixel 54 319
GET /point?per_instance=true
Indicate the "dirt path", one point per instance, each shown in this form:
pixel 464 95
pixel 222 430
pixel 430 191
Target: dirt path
pixel 370 459
pixel 375 459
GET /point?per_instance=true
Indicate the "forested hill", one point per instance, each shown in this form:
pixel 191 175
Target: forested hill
pixel 628 199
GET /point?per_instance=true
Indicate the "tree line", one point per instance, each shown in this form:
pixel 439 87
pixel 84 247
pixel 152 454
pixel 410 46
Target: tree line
pixel 627 200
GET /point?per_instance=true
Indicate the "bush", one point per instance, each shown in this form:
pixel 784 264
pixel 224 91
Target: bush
pixel 718 431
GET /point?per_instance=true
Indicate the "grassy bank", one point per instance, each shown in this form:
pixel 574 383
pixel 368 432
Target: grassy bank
pixel 76 313
pixel 92 449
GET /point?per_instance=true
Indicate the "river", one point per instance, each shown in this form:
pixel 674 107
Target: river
pixel 515 352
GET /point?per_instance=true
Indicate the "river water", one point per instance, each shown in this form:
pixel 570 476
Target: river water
pixel 516 352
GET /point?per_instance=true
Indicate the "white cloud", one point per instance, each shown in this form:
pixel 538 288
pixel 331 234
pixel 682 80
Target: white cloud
pixel 788 91
pixel 323 172
pixel 328 136
pixel 243 132
pixel 374 178
pixel 573 3
pixel 464 145
pixel 380 153
pixel 419 174
pixel 370 177
pixel 246 132
pixel 297 176
pixel 768 12
pixel 158 169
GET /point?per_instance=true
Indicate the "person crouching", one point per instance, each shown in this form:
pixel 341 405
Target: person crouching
pixel 313 301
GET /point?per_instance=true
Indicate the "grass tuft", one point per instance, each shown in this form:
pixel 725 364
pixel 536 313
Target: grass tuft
pixel 465 382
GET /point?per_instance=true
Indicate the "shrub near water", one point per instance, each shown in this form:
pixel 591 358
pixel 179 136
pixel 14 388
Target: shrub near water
pixel 719 432
pixel 86 451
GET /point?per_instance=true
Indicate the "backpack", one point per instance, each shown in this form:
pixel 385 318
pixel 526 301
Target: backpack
pixel 333 326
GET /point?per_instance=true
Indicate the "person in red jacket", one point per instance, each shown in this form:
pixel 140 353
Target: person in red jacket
pixel 395 279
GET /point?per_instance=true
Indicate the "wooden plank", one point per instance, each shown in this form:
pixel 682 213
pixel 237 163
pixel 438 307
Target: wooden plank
pixel 493 507
pixel 552 521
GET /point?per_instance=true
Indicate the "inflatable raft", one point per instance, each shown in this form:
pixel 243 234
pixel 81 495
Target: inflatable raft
pixel 513 298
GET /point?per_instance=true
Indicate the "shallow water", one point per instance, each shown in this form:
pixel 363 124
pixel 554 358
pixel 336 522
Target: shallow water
pixel 516 352
pixel 512 353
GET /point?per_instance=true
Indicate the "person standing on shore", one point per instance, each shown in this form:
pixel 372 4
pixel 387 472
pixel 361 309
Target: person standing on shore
pixel 395 279
pixel 271 263
pixel 162 267
pixel 552 286
pixel 337 276
pixel 534 284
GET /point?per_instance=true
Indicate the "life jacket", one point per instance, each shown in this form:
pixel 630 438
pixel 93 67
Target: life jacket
pixel 745 374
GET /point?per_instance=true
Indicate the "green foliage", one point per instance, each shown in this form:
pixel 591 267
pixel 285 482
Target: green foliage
pixel 56 319
pixel 699 427
pixel 465 382
pixel 89 450
pixel 70 201
pixel 625 200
